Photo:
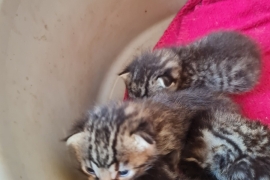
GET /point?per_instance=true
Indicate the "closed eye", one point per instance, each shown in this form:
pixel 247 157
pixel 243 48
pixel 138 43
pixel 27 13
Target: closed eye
pixel 90 171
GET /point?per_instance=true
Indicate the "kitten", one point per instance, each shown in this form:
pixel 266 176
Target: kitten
pixel 129 140
pixel 229 146
pixel 223 61
pixel 221 143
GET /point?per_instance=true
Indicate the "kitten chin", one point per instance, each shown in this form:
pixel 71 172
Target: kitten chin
pixel 223 61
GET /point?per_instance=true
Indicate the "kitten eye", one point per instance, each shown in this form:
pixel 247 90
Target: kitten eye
pixel 123 173
pixel 165 81
pixel 90 170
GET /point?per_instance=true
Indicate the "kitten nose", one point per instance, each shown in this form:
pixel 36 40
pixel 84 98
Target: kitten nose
pixel 104 175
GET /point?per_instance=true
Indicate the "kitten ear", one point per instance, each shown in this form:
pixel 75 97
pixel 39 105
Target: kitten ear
pixel 144 135
pixel 74 143
pixel 75 139
pixel 125 74
pixel 141 143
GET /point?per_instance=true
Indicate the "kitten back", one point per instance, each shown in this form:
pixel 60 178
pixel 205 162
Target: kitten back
pixel 223 61
pixel 227 61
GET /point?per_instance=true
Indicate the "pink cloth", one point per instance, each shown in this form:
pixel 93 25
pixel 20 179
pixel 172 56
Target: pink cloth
pixel 251 17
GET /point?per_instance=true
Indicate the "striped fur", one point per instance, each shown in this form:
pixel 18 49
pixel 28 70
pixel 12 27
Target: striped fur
pixel 228 146
pixel 138 136
pixel 221 143
pixel 148 137
pixel 223 61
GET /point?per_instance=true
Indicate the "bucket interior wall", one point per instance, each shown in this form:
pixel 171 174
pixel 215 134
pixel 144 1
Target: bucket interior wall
pixel 58 58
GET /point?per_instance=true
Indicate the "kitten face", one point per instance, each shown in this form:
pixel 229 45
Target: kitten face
pixel 152 72
pixel 124 140
pixel 114 143
pixel 226 62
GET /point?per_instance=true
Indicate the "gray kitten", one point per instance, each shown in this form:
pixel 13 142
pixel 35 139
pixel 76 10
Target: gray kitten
pixel 142 139
pixel 224 61
pixel 229 146
pixel 222 143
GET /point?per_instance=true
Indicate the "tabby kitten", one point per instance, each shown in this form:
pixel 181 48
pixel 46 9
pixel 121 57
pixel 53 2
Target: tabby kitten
pixel 224 61
pixel 222 143
pixel 228 146
pixel 129 140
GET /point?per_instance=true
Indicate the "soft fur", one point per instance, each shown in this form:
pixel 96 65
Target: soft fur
pixel 221 143
pixel 138 136
pixel 207 135
pixel 228 146
pixel 223 61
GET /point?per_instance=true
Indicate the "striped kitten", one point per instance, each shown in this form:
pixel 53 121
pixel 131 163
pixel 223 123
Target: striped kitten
pixel 129 140
pixel 228 146
pixel 222 143
pixel 223 61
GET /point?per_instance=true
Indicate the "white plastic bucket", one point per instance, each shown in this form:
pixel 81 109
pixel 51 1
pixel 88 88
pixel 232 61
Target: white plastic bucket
pixel 59 57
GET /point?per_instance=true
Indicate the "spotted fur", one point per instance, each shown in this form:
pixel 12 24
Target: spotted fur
pixel 224 61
